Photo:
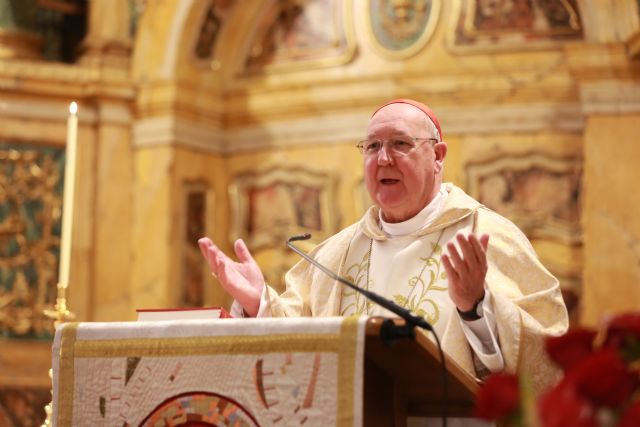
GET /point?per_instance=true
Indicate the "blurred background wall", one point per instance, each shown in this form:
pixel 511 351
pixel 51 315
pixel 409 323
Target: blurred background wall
pixel 240 118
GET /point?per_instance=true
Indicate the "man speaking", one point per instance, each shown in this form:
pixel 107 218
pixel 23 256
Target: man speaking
pixel 428 246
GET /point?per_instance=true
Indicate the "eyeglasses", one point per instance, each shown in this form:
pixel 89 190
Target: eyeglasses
pixel 399 146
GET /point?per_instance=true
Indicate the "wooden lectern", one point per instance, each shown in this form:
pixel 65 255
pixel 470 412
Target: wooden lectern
pixel 405 379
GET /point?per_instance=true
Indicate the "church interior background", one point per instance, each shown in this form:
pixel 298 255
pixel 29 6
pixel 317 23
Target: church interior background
pixel 239 118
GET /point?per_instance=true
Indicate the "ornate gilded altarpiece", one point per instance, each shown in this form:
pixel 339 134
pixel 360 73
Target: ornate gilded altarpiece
pixel 541 195
pixel 508 24
pixel 270 206
pixel 31 188
pixel 400 29
pixel 295 34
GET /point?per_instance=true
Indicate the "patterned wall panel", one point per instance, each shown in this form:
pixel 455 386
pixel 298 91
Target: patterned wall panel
pixel 31 188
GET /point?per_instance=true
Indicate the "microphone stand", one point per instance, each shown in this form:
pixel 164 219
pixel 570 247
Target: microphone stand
pixel 389 331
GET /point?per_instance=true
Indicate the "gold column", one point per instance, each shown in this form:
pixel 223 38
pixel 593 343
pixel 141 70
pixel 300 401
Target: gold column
pixel 108 41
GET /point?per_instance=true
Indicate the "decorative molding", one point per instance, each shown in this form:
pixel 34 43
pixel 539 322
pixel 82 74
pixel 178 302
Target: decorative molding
pixel 511 118
pixel 169 130
pixel 21 44
pixel 57 110
pixel 610 97
pixel 633 46
pixel 319 130
pixel 176 31
pixel 341 127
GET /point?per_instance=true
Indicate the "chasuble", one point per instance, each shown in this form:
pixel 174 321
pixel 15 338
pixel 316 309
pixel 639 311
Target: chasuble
pixel 526 300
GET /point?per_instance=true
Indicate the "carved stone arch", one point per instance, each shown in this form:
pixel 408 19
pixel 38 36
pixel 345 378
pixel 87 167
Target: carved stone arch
pixel 168 31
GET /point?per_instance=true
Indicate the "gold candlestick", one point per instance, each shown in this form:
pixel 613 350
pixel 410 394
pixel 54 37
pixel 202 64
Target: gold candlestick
pixel 61 313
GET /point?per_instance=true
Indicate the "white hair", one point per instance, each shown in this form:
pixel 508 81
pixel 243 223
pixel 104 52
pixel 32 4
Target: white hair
pixel 433 129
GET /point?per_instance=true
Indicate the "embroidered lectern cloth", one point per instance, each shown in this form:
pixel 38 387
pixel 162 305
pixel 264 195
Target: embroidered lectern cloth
pixel 222 372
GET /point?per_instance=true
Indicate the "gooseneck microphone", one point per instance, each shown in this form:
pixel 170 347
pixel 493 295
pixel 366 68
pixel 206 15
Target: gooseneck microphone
pixel 411 320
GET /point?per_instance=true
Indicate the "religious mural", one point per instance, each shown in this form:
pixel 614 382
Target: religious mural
pixel 302 33
pixel 31 187
pixel 401 28
pixel 271 206
pixel 210 28
pixel 194 275
pixel 505 24
pixel 540 194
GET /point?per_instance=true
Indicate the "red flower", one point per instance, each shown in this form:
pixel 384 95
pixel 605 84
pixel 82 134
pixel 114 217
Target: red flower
pixel 562 406
pixel 498 398
pixel 621 328
pixel 571 348
pixel 602 377
pixel 631 416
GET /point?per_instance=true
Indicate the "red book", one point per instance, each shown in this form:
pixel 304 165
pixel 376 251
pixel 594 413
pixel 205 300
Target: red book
pixel 146 314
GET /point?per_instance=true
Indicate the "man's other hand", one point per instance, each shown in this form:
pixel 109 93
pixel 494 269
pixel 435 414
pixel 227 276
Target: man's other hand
pixel 466 270
pixel 242 280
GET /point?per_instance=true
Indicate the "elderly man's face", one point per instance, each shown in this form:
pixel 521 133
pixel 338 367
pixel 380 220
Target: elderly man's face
pixel 403 185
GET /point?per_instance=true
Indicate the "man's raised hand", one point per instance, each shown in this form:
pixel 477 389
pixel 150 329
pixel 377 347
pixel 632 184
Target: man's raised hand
pixel 467 270
pixel 242 280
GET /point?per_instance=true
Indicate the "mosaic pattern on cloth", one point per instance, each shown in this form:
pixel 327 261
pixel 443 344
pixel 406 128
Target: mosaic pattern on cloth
pixel 399 25
pixel 503 24
pixel 291 373
pixel 200 409
pixel 31 188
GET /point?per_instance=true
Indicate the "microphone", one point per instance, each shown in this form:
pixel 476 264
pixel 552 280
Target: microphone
pixel 389 329
pixel 410 319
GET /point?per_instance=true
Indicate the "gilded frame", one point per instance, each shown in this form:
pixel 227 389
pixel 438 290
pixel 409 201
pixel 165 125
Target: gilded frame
pixel 345 11
pixel 503 40
pixel 535 224
pixel 415 47
pixel 256 220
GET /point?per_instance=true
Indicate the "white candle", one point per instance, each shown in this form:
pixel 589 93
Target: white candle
pixel 67 204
